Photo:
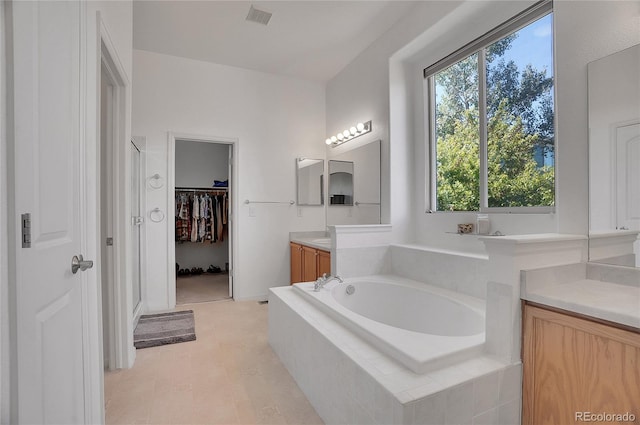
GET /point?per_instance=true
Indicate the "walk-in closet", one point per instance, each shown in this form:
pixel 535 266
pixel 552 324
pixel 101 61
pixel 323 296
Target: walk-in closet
pixel 202 237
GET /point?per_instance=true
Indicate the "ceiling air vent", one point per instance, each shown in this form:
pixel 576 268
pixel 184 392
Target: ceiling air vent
pixel 259 16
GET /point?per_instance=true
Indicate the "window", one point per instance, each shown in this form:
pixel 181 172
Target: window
pixel 491 120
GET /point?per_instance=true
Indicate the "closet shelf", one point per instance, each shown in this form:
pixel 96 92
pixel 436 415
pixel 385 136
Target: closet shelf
pixel 201 189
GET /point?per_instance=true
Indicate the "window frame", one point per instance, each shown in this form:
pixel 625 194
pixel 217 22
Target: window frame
pixel 528 16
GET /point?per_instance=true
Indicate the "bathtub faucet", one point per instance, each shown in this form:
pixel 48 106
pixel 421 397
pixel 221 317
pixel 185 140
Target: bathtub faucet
pixel 324 280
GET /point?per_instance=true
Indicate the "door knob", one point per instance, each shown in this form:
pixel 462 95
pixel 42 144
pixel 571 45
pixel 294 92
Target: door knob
pixel 79 263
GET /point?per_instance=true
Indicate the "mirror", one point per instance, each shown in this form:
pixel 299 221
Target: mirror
pixel 309 181
pixel 354 185
pixel 340 182
pixel 614 158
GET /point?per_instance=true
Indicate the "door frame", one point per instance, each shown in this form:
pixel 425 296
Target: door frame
pixel 232 142
pixel 140 142
pixel 5 103
pixel 118 175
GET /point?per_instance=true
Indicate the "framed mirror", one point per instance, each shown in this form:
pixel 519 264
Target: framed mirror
pixel 614 158
pixel 309 181
pixel 340 182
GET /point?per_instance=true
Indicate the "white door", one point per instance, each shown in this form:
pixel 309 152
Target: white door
pixel 628 181
pixel 628 177
pixel 48 185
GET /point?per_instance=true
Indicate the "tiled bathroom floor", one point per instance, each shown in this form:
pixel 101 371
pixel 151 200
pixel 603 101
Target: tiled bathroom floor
pixel 229 375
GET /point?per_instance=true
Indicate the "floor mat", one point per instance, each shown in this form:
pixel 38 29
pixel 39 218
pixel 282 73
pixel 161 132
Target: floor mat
pixel 164 328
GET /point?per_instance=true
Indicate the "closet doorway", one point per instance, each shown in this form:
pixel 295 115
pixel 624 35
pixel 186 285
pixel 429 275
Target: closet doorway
pixel 203 237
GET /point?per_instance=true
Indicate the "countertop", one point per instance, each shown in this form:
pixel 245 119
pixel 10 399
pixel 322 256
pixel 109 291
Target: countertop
pixel 610 295
pixel 318 240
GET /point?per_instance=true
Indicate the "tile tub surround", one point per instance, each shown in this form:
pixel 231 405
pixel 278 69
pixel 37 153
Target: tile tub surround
pixel 360 250
pixel 509 255
pixel 350 382
pixel 455 271
pixel 603 291
pixel 460 272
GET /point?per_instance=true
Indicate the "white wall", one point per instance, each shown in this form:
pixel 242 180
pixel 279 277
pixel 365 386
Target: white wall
pixel 361 92
pixel 604 27
pixel 384 84
pixel 275 120
pixel 198 164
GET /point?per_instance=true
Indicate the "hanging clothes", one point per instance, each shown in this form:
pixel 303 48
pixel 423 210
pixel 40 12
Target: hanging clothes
pixel 200 217
pixel 195 216
pixel 219 223
pixel 183 217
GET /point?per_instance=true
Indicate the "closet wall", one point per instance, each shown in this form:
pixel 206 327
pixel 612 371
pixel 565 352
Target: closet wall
pixel 198 165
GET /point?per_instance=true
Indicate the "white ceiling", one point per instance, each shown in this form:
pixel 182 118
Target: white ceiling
pixel 307 39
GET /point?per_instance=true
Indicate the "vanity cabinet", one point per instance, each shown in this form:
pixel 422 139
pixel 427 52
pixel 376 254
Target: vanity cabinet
pixel 574 367
pixel 308 263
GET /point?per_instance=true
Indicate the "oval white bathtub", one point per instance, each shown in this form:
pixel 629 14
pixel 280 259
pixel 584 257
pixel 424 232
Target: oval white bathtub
pixel 421 326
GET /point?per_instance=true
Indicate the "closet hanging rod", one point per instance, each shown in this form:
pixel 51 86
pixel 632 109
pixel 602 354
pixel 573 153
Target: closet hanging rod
pixel 204 189
pixel 269 202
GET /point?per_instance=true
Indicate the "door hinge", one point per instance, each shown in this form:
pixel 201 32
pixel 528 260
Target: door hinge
pixel 26 230
pixel 109 241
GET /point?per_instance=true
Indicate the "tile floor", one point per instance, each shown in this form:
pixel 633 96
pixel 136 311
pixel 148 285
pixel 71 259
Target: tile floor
pixel 202 288
pixel 229 375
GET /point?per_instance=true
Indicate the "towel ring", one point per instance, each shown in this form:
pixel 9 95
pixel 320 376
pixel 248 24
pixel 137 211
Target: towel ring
pixel 156 215
pixel 156 181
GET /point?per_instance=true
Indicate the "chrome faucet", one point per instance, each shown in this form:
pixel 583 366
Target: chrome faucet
pixel 323 280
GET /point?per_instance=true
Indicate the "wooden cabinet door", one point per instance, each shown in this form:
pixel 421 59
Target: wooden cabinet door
pixel 324 262
pixel 574 366
pixel 296 262
pixel 309 264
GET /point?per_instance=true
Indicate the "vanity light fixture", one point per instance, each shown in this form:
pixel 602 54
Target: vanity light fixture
pixel 353 132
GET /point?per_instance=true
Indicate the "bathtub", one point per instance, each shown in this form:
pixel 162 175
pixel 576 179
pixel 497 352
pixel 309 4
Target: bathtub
pixel 420 326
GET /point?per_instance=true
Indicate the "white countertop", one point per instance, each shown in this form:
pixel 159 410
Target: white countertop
pixel 604 300
pixel 318 240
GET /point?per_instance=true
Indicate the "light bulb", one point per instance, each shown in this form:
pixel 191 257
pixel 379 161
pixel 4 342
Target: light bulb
pixel 340 136
pixel 328 141
pixel 360 126
pixel 353 131
pixel 346 133
pixel 333 139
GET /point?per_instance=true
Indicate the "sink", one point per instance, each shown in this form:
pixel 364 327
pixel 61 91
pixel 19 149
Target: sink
pixel 322 240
